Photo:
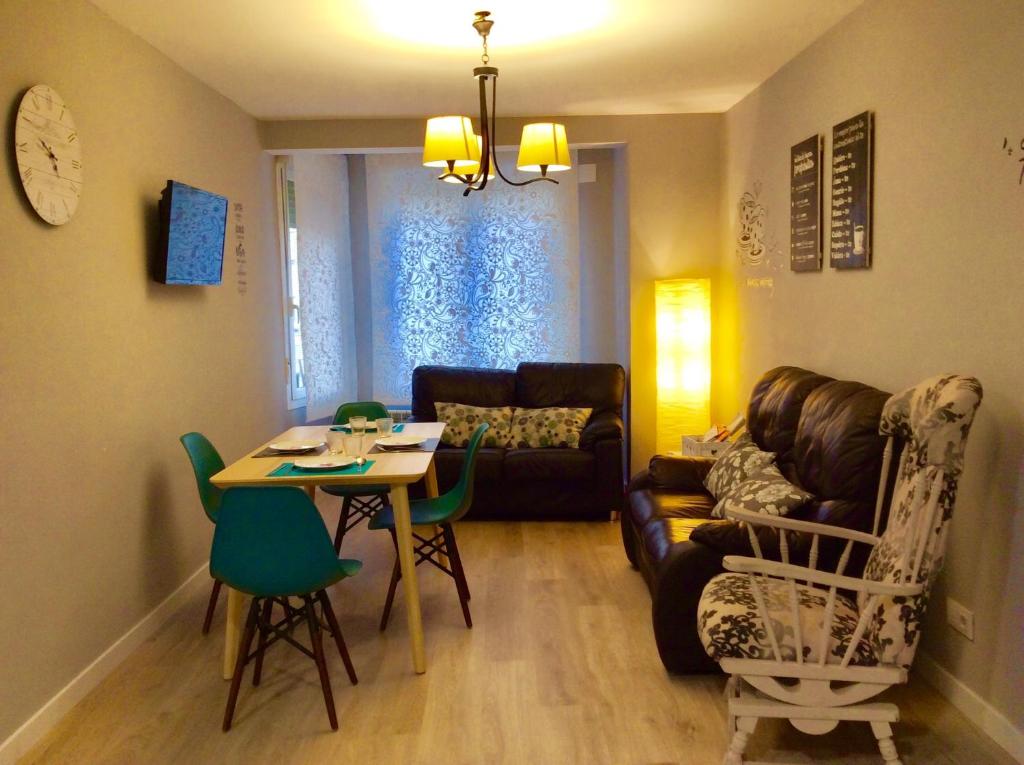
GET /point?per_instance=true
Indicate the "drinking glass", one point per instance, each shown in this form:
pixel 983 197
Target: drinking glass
pixel 335 441
pixel 353 445
pixel 358 425
pixel 384 425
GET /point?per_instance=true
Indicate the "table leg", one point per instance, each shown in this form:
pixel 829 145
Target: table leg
pixel 233 630
pixel 311 491
pixel 410 586
pixel 430 483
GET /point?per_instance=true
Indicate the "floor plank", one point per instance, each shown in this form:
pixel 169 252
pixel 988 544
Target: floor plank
pixel 560 667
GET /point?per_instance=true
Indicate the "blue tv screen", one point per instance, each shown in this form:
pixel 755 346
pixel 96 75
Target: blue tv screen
pixel 193 224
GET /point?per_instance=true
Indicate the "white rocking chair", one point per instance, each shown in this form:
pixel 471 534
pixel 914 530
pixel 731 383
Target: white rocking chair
pixel 796 668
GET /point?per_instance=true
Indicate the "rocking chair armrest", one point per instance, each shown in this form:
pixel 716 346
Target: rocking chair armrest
pixel 745 565
pixel 808 527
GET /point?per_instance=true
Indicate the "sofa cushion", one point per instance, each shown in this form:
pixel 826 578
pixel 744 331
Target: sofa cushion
pixel 774 409
pixel 838 450
pixel 764 492
pixel 600 387
pixel 549 465
pixel 461 421
pixel 466 385
pixel 737 463
pixel 489 466
pixel 558 427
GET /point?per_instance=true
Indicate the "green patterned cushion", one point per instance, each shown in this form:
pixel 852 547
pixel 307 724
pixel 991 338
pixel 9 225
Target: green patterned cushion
pixel 552 427
pixel 462 419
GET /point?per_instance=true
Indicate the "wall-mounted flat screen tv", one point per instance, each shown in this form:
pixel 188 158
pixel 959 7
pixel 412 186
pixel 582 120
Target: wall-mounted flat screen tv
pixel 192 227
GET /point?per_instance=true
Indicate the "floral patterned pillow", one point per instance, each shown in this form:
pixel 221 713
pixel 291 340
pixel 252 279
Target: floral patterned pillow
pixel 737 464
pixel 551 427
pixel 462 419
pixel 765 492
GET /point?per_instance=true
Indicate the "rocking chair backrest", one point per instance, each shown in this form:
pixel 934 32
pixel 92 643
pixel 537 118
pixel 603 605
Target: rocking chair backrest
pixel 933 418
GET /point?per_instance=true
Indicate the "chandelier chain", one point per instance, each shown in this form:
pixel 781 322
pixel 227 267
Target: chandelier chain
pixel 485 58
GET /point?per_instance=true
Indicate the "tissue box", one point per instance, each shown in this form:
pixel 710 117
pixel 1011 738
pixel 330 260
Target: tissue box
pixel 694 447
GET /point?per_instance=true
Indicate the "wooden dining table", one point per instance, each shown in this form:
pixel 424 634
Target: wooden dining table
pixel 396 469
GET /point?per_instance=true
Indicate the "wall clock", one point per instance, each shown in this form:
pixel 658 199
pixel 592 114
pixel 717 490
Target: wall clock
pixel 49 154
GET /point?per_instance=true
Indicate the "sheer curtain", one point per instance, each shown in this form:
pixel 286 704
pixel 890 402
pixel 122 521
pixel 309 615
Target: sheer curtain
pixel 325 281
pixel 490 280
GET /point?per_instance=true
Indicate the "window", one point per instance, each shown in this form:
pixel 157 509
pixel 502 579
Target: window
pixel 296 389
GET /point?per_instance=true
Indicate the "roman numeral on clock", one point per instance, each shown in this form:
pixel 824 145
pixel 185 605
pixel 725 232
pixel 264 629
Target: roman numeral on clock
pixel 76 164
pixel 23 146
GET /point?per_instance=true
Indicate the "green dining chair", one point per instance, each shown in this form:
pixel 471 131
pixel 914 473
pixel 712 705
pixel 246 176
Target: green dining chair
pixel 205 463
pixel 358 502
pixel 271 543
pixel 437 512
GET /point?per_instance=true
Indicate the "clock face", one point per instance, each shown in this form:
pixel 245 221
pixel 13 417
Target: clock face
pixel 49 154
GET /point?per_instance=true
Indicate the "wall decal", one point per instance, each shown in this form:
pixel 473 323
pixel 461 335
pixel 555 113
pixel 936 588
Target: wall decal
pixel 1008 147
pixel 852 160
pixel 241 270
pixel 757 247
pixel 805 205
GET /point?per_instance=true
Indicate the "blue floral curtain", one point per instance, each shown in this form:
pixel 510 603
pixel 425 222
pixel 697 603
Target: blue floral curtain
pixel 489 281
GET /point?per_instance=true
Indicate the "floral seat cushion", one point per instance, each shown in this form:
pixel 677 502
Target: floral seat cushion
pixel 731 627
pixel 555 426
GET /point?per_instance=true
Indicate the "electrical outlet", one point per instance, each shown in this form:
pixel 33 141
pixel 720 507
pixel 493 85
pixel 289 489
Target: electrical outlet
pixel 960 618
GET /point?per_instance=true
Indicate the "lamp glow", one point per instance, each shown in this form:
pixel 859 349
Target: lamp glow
pixel 451 143
pixel 682 309
pixel 544 148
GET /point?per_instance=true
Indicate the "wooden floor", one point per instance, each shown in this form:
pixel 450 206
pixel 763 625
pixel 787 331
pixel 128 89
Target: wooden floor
pixel 559 668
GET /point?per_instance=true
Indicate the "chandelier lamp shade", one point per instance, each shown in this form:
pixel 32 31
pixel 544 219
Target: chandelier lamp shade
pixel 470 158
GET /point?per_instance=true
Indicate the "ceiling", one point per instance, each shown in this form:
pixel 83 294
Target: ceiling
pixel 412 58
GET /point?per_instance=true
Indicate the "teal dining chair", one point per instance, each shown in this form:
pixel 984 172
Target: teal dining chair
pixel 437 512
pixel 272 544
pixel 358 502
pixel 206 462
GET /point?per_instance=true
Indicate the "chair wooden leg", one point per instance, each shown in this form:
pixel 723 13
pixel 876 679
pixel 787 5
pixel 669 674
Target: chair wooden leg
pixel 396 574
pixel 744 727
pixel 452 550
pixel 883 732
pixel 263 625
pixel 339 535
pixel 339 640
pixel 243 653
pixel 214 594
pixel 316 637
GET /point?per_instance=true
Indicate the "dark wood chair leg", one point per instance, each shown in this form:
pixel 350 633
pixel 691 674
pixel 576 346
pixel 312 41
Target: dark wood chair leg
pixel 211 606
pixel 339 535
pixel 452 550
pixel 243 654
pixel 316 637
pixel 396 574
pixel 339 639
pixel 263 625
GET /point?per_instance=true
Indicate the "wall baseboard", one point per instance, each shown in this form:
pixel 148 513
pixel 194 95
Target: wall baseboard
pixel 992 722
pixel 39 724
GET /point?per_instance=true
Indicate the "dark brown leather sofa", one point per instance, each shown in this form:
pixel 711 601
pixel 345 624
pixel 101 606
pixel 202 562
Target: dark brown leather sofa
pixel 530 484
pixel 825 435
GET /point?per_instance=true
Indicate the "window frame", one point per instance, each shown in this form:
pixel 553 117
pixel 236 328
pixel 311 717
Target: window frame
pixel 293 399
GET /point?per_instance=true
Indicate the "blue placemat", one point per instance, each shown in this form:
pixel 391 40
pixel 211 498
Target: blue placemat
pixel 288 470
pixel 396 428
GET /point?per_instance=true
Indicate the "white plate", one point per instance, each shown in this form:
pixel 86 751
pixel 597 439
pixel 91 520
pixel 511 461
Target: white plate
pixel 326 462
pixel 400 442
pixel 296 446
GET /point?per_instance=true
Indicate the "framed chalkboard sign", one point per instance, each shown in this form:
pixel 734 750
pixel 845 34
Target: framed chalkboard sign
pixel 852 164
pixel 805 205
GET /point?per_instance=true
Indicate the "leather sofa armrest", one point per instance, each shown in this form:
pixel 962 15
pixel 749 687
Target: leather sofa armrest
pixel 602 426
pixel 678 472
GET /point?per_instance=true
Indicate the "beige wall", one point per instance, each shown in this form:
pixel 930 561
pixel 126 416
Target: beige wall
pixel 102 368
pixel 672 195
pixel 943 78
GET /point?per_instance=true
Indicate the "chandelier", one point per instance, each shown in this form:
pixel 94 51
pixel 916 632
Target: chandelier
pixel 470 158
